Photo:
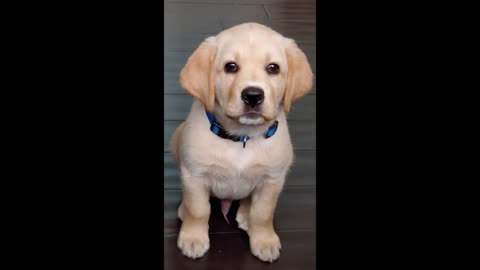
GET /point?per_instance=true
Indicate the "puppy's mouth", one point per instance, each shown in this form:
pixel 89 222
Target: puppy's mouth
pixel 251 118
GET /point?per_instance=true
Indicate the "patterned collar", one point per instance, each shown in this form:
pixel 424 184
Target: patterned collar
pixel 218 129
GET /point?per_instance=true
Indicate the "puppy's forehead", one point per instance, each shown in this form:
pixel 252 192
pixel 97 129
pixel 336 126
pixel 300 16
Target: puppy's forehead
pixel 250 40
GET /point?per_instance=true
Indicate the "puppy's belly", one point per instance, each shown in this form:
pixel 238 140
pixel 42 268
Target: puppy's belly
pixel 229 183
pixel 231 189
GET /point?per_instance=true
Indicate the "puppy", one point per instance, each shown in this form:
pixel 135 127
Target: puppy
pixel 235 143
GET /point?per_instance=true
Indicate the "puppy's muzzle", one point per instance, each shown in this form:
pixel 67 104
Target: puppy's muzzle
pixel 252 96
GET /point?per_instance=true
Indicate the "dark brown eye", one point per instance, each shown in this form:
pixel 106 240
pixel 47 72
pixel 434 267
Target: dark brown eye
pixel 273 69
pixel 231 67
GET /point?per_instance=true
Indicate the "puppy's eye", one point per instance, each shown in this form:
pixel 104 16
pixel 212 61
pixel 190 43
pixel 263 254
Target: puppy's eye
pixel 231 67
pixel 273 69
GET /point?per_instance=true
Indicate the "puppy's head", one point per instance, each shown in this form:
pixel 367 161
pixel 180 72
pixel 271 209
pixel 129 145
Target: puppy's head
pixel 247 73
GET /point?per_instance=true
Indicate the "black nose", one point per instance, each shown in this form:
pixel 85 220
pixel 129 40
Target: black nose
pixel 252 96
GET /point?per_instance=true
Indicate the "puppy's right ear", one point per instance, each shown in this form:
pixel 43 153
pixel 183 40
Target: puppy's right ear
pixel 197 75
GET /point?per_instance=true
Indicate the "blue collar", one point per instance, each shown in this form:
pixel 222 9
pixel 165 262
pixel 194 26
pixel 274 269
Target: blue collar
pixel 218 129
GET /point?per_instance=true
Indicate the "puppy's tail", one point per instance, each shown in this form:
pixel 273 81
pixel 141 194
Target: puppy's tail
pixel 174 144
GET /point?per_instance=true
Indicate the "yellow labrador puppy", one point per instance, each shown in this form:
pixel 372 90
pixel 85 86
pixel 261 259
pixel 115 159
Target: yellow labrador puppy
pixel 235 143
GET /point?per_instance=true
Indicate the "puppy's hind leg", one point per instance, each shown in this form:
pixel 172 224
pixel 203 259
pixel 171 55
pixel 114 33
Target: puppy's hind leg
pixel 180 211
pixel 175 142
pixel 243 213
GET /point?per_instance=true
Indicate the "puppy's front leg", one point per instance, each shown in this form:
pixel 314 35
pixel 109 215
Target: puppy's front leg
pixel 193 238
pixel 264 242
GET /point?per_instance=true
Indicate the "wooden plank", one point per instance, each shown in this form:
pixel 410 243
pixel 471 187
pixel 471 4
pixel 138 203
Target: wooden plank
pixel 184 18
pixel 242 2
pixel 303 134
pixel 302 173
pixel 232 251
pixel 171 201
pixel 205 1
pixel 295 211
pixel 168 129
pixel 177 107
pixel 292 11
pixel 171 173
pixel 304 109
pixel 184 30
pixel 190 11
pixel 184 43
pixel 171 84
pixel 186 34
pixel 175 27
pixel 174 62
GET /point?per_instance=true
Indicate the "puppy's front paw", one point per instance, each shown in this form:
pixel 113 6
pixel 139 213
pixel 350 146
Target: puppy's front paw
pixel 265 246
pixel 193 245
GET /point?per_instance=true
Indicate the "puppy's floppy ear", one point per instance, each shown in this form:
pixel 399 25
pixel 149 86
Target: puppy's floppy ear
pixel 299 77
pixel 197 75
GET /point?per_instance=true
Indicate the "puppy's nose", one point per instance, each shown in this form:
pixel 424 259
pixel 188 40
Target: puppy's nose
pixel 252 96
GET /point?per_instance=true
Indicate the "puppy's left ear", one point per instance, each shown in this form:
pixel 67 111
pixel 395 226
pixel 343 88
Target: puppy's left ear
pixel 197 75
pixel 299 77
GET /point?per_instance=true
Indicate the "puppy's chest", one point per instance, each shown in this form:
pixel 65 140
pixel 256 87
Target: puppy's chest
pixel 237 164
pixel 234 173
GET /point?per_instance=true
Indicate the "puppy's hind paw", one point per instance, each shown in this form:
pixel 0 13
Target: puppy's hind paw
pixel 242 221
